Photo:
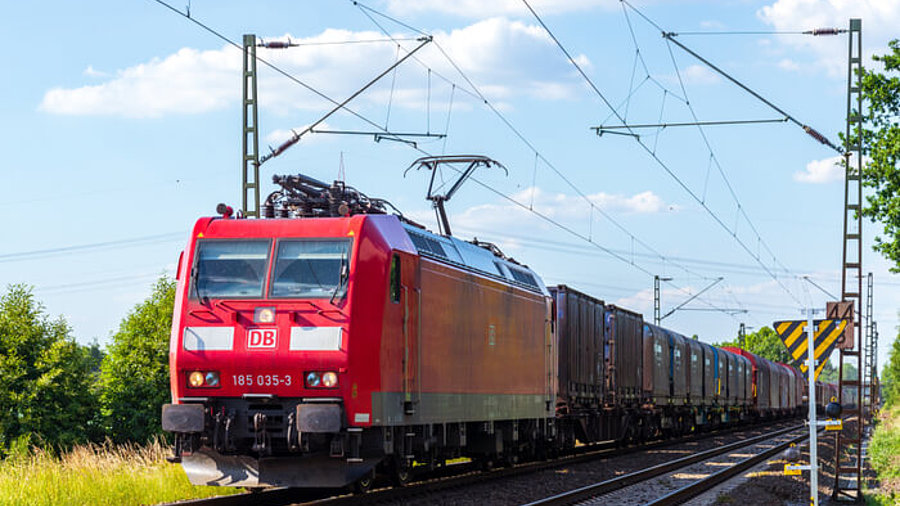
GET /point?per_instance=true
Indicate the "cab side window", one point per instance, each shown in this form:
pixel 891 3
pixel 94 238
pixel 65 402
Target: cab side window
pixel 395 279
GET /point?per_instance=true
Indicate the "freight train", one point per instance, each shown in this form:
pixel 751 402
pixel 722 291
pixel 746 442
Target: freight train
pixel 331 340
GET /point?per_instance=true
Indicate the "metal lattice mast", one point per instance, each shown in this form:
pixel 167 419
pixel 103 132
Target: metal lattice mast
pixel 656 309
pixel 250 142
pixel 873 381
pixel 869 355
pixel 848 442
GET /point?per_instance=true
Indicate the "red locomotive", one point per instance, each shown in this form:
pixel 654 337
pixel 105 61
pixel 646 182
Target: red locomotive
pixel 333 340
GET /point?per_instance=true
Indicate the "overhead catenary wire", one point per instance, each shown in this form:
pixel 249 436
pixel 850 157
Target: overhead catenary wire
pixel 340 42
pixel 369 12
pixel 487 103
pixel 273 67
pixel 295 137
pixel 656 158
pixel 806 128
pixel 91 247
pixel 501 116
pixel 465 77
pixel 670 37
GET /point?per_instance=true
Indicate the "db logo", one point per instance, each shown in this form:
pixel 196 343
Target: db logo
pixel 261 338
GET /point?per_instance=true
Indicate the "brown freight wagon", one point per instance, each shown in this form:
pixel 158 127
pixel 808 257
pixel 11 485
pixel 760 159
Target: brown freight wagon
pixel 624 357
pixel 579 327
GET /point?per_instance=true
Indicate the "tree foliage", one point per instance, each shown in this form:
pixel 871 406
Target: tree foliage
pixel 765 343
pixel 134 378
pixel 890 375
pixel 881 145
pixel 46 378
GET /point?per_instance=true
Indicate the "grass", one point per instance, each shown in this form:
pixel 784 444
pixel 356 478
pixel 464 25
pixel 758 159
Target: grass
pixel 97 475
pixel 884 455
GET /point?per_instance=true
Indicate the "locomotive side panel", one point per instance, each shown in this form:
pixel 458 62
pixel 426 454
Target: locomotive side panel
pixel 474 330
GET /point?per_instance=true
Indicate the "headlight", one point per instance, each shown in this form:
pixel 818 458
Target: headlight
pixel 212 379
pixel 203 379
pixel 264 315
pixel 196 379
pixel 329 379
pixel 315 379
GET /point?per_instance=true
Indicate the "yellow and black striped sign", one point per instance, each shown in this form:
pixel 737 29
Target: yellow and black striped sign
pixel 793 335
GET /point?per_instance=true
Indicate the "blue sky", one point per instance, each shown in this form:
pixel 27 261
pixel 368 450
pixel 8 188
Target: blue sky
pixel 122 125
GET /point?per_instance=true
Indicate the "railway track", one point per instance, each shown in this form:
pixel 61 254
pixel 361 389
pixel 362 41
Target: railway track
pixel 691 473
pixel 460 476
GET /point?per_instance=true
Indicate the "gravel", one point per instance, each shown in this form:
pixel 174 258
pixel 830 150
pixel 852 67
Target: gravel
pixel 531 487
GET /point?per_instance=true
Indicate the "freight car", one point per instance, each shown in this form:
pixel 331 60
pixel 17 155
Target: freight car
pixel 337 340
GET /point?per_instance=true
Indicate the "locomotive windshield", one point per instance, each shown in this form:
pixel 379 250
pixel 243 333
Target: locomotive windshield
pixel 310 268
pixel 231 268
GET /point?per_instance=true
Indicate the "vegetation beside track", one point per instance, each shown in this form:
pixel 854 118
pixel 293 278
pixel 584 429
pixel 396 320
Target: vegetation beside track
pixel 884 456
pixel 98 475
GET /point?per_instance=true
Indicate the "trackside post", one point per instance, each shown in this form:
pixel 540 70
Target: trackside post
pixel 813 427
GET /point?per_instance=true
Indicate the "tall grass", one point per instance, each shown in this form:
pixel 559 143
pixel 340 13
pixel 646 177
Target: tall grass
pixel 97 475
pixel 884 456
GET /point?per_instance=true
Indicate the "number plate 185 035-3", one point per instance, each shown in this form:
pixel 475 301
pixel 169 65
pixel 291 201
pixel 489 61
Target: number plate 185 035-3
pixel 262 380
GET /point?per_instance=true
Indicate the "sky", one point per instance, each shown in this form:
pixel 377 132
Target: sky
pixel 122 125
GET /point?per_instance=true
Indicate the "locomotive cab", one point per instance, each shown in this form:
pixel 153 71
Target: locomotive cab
pixel 332 338
pixel 260 352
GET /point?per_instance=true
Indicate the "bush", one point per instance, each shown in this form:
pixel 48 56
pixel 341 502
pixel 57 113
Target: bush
pixel 134 377
pixel 46 378
pixel 884 455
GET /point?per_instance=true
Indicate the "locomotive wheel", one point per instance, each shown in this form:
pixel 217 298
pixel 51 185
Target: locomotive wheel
pixel 401 472
pixel 486 463
pixel 364 484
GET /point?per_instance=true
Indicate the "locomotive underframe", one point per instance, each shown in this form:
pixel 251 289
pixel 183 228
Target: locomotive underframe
pixel 262 443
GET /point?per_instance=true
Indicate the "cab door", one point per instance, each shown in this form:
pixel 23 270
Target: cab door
pixel 406 290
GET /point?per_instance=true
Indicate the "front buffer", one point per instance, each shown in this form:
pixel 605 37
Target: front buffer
pixel 234 447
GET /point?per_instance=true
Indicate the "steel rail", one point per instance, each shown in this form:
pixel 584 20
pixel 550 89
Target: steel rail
pixel 698 487
pixel 464 475
pixel 623 481
pixel 271 496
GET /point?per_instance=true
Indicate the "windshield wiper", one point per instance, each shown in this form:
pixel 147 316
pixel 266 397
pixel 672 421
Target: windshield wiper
pixel 195 274
pixel 345 275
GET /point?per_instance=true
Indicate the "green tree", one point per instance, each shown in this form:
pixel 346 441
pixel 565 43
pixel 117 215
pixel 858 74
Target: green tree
pixel 134 377
pixel 765 343
pixel 46 378
pixel 890 375
pixel 881 144
pixel 829 373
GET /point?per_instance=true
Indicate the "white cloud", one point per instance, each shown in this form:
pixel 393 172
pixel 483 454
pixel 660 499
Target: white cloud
pixel 276 137
pixel 482 9
pixel 501 56
pixel 699 74
pixel 564 205
pixel 788 64
pixel 821 171
pixel 641 203
pixel 91 72
pixel 186 82
pixel 712 24
pixel 880 21
pixel 558 206
pixel 641 301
